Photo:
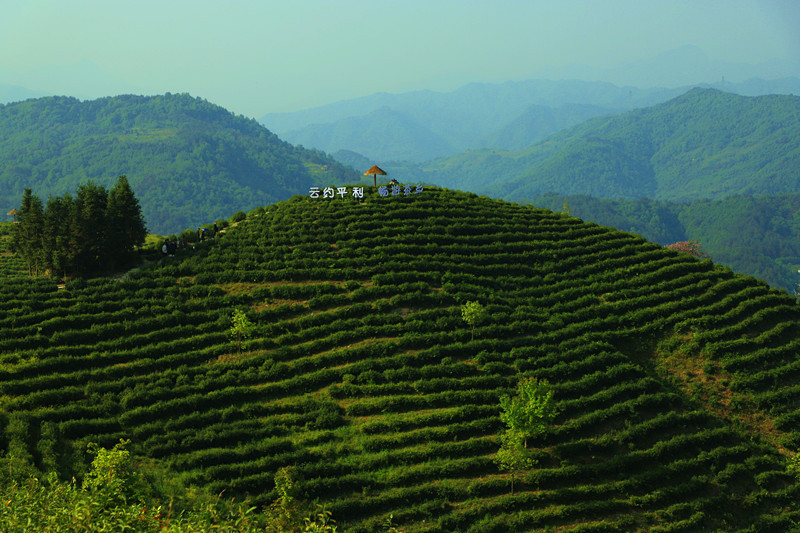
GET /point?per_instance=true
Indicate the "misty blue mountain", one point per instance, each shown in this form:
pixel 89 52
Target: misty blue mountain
pixel 505 116
pixel 703 144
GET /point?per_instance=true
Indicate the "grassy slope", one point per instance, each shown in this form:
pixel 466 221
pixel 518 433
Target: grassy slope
pixel 676 381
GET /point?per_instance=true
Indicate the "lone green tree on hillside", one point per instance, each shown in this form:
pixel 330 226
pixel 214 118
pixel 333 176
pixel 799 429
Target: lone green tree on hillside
pixel 473 313
pixel 241 328
pixel 526 415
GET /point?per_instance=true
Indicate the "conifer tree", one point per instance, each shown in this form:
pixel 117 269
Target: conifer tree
pixel 27 234
pixel 88 228
pixel 59 256
pixel 83 235
pixel 125 226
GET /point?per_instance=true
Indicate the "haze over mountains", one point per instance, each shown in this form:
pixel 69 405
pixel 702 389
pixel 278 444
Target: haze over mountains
pixel 82 79
pixel 702 144
pixel 683 66
pixel 699 149
pixel 424 125
pixel 530 141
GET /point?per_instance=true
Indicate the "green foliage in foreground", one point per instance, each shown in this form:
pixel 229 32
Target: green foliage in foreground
pixel 114 496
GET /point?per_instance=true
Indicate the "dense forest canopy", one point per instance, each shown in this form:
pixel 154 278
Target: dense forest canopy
pixel 94 232
pixel 189 161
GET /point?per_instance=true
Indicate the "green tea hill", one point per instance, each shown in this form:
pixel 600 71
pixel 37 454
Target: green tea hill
pixel 755 235
pixel 676 382
pixel 702 144
pixel 189 161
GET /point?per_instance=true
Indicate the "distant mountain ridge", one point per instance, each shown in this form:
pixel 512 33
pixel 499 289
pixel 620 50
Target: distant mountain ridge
pixel 189 162
pixel 681 66
pixel 391 133
pixel 508 116
pixel 703 144
pixel 15 93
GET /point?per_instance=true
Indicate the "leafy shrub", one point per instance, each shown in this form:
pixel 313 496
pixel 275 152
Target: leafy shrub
pixel 257 212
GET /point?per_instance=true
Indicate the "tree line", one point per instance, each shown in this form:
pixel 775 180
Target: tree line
pixel 95 231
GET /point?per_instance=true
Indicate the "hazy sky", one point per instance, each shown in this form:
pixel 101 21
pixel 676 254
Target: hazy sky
pixel 256 57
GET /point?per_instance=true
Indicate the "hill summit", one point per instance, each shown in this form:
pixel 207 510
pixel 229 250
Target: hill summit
pixel 675 381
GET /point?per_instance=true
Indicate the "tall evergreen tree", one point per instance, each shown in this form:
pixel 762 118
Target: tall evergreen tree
pixel 125 228
pixel 27 234
pixel 88 234
pixel 88 228
pixel 59 255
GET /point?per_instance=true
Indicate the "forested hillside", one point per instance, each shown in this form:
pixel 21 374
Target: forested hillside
pixel 188 161
pixel 759 236
pixel 674 381
pixel 703 144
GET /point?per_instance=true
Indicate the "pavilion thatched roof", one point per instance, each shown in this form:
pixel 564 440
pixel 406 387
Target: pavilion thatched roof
pixel 374 169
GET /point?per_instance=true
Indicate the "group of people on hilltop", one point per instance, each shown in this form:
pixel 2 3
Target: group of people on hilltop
pixel 202 233
pixel 170 247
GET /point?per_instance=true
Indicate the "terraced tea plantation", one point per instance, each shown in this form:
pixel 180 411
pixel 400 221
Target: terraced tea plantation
pixel 677 383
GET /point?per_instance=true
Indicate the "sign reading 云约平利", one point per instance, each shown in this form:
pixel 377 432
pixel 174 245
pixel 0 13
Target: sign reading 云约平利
pixel 358 192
